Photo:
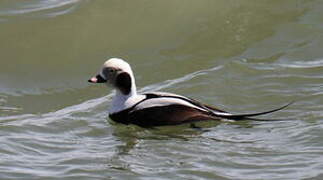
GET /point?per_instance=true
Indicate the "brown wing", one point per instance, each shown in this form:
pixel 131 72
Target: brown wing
pixel 168 115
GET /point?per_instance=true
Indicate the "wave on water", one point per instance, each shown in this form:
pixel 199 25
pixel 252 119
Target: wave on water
pixel 285 63
pixel 89 105
pixel 39 8
pixel 303 64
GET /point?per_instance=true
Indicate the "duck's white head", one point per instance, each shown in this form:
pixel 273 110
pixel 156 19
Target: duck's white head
pixel 118 74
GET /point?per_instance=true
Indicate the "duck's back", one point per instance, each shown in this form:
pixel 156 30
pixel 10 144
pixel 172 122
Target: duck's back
pixel 159 109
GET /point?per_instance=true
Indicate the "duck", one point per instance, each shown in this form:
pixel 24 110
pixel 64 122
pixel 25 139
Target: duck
pixel 156 108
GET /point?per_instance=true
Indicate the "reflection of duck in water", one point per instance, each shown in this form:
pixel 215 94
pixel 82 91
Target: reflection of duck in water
pixel 156 108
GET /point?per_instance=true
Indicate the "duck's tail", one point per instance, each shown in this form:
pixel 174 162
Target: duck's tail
pixel 248 116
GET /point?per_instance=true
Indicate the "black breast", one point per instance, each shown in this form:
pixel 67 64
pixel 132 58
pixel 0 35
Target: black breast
pixel 121 117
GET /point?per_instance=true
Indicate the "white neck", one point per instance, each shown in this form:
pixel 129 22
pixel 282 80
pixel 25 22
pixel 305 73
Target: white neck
pixel 121 101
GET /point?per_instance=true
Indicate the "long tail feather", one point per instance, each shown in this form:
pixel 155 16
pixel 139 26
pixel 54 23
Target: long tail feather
pixel 247 115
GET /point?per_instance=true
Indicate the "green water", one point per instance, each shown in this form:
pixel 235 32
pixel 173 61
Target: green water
pixel 242 56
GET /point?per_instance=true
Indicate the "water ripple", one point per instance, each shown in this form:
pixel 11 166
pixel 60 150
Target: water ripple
pixel 37 8
pixel 318 63
pixel 76 142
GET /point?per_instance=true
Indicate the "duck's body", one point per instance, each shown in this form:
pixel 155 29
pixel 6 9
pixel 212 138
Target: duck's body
pixel 156 108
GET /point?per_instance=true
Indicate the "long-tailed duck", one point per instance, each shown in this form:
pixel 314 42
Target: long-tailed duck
pixel 156 108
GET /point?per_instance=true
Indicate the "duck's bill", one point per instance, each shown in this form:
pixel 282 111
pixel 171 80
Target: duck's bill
pixel 97 79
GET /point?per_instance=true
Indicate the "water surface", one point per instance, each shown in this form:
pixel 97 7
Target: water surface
pixel 242 56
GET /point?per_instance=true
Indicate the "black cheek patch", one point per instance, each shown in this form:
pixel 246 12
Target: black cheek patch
pixel 123 82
